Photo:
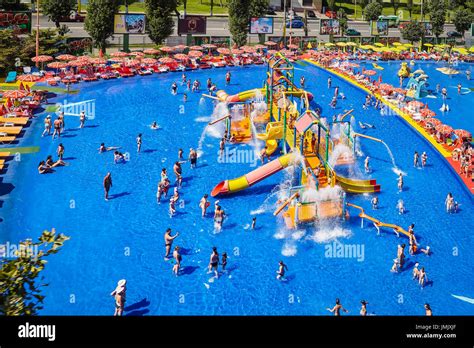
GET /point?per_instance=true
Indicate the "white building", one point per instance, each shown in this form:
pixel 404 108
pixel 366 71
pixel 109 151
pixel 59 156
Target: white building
pixel 297 4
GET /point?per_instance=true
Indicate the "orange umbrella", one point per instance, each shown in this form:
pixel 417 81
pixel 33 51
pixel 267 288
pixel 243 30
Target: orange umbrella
pixel 196 54
pixel 181 56
pixel 78 62
pixel 132 62
pixel 236 51
pixel 42 59
pixel 463 134
pixel 119 54
pixel 98 61
pixel 66 57
pixel 427 112
pixel 386 87
pixel 15 94
pixel 28 78
pixel 434 122
pixel 180 48
pixel 137 53
pixel 209 46
pixel 195 48
pixel 167 60
pixel 444 128
pixel 270 43
pixel 152 51
pixel 116 59
pixel 149 61
pixel 166 49
pixel 223 50
pixel 57 65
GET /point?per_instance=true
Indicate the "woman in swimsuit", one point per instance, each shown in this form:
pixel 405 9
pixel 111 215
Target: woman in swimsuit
pixel 428 310
pixel 60 151
pixel 214 262
pixel 43 168
pixel 51 164
pixel 120 297
pixel 177 257
pixel 107 185
pixel 337 308
pixel 218 218
pixel 57 128
pixel 363 309
pixel 47 126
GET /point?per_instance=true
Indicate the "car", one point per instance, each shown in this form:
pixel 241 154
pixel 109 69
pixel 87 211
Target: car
pixel 311 14
pixel 352 32
pixel 453 34
pixel 270 11
pixel 295 23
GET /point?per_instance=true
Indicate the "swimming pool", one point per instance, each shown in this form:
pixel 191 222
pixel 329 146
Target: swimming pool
pixel 123 238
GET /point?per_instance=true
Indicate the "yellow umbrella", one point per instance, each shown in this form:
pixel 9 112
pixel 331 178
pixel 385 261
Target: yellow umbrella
pixel 341 44
pixel 350 43
pixel 328 44
pixel 471 49
pixel 428 45
pixel 408 45
pixel 396 43
pixel 379 44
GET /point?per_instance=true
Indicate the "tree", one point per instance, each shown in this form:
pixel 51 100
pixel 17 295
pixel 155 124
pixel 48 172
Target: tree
pixel 258 8
pixel 412 31
pixel 159 18
pixel 437 12
pixel 341 15
pixel 238 20
pixel 462 19
pixel 372 11
pixel 19 292
pixel 331 4
pixel 50 42
pixel 57 9
pixel 10 45
pixel 100 21
pixel 395 5
pixel 409 7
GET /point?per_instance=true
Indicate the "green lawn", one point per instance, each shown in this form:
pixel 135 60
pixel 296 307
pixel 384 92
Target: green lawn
pixel 193 7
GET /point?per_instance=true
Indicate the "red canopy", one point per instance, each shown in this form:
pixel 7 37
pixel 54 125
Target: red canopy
pixel 181 56
pixel 167 60
pixel 223 50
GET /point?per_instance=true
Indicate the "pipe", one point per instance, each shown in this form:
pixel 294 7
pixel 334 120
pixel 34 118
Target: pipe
pixel 284 205
pixel 368 137
pixel 210 96
pixel 218 120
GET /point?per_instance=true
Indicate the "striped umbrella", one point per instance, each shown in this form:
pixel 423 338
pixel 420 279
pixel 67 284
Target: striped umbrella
pixel 236 51
pixel 28 78
pixel 181 56
pixel 152 51
pixel 270 43
pixel 462 133
pixel 15 94
pixel 195 54
pixel 149 60
pixel 292 46
pixel 444 128
pixel 195 48
pixel 66 57
pixel 223 50
pixel 98 61
pixel 42 59
pixel 132 62
pixel 116 59
pixel 78 62
pixel 167 60
pixel 137 54
pixel 119 54
pixel 248 49
pixel 434 122
pixel 57 65
pixel 166 49
pixel 209 46
pixel 180 48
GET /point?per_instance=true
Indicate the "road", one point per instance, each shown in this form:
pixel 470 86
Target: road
pixel 218 26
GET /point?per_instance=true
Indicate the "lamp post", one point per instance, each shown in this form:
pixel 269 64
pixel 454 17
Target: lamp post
pixel 126 35
pixel 37 30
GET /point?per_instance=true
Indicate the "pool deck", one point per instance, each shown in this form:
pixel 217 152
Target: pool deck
pixel 442 150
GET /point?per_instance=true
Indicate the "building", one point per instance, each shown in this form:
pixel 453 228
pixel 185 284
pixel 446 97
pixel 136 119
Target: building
pixel 297 5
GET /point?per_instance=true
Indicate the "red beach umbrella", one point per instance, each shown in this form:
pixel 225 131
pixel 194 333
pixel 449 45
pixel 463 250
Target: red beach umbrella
pixel 223 50
pixel 196 54
pixel 66 57
pixel 167 60
pixel 152 51
pixel 15 94
pixel 270 43
pixel 28 78
pixel 119 54
pixel 181 56
pixel 444 128
pixel 462 133
pixel 42 59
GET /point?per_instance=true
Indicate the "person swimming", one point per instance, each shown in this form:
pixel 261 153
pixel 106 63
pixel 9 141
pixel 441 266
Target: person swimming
pixel 118 157
pixel 281 270
pixel 400 207
pixel 174 88
pixel 154 125
pixel 51 164
pixel 104 148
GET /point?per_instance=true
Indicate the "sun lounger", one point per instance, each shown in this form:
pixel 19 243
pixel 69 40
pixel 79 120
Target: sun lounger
pixel 11 77
pixel 5 154
pixel 15 120
pixel 7 139
pixel 11 130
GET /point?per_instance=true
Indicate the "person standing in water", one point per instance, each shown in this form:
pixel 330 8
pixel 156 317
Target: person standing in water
pixel 107 185
pixel 192 157
pixel 337 308
pixel 449 202
pixel 422 278
pixel 254 222
pixel 459 88
pixel 401 255
pixel 221 147
pixel 416 158
pixel 366 165
pixel 224 261
pixel 400 182
pixel 139 142
pixel 227 78
pixel 177 258
pixel 214 262
pixel 204 204
pixel 218 217
pixel 401 207
pixel 375 203
pixel 281 270
pixel 329 82
pixel 412 242
pixel 363 309
pixel 60 151
pixel 82 119
pixel 302 81
pixel 428 311
pixel 47 126
pixel 169 241
pixel 424 158
pixel 174 88
pixel 119 295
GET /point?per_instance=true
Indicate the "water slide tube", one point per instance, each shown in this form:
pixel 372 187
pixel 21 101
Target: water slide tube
pixel 239 97
pixel 357 186
pixel 377 222
pixel 249 179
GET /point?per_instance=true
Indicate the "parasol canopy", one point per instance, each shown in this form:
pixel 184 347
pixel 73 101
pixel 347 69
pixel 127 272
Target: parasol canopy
pixel 223 50
pixel 28 78
pixel 119 54
pixel 66 57
pixel 152 51
pixel 15 94
pixel 195 48
pixel 196 54
pixel 42 59
pixel 167 60
pixel 181 56
pixel 57 65
pixel 270 43
pixel 462 133
pixel 166 49
pixel 98 61
pixel 236 51
pixel 209 46
pixel 444 128
pixel 149 60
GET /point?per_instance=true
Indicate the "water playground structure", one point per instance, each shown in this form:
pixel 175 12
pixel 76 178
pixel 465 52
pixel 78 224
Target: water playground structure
pixel 303 141
pixel 416 86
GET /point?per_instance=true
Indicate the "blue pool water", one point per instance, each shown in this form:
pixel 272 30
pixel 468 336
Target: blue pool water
pixel 123 238
pixel 460 114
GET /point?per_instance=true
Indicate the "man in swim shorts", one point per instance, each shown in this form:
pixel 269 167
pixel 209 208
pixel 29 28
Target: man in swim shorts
pixel 169 241
pixel 107 185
